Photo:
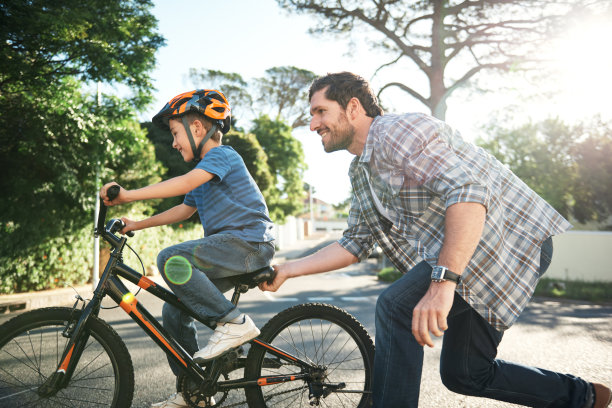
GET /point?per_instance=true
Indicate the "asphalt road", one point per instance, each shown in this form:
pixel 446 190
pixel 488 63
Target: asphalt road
pixel 570 337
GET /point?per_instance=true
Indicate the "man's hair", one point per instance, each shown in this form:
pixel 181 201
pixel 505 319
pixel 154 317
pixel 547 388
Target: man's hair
pixel 343 86
pixel 207 123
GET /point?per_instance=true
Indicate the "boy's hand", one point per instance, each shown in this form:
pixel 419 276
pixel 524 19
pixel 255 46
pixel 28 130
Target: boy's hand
pixel 120 199
pixel 129 226
pixel 280 277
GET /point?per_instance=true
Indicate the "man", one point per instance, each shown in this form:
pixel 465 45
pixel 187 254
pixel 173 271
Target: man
pixel 471 239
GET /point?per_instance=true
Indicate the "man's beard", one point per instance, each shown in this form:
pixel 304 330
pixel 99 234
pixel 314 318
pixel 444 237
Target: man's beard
pixel 341 137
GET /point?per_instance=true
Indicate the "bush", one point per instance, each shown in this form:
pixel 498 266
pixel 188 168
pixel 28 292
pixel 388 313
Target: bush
pixel 56 262
pixel 68 260
pixel 389 274
pixel 573 289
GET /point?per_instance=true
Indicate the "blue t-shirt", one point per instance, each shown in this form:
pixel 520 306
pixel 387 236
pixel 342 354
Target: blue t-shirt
pixel 231 202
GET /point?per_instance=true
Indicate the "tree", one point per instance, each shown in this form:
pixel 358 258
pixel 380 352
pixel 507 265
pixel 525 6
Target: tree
pixel 286 163
pixel 450 41
pixel 569 166
pixel 282 91
pixel 233 86
pixel 281 94
pixel 54 136
pixel 99 40
pixel 592 192
pixel 254 156
pixel 285 89
pixel 52 143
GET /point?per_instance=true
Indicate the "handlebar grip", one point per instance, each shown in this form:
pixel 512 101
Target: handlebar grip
pixel 272 276
pixel 113 192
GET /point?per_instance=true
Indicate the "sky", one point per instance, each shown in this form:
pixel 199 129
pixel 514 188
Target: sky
pixel 248 37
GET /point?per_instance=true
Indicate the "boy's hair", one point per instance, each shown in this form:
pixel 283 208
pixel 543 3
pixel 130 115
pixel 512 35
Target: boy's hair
pixel 193 116
pixel 343 86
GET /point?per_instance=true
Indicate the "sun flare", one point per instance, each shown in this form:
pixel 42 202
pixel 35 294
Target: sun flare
pixel 584 61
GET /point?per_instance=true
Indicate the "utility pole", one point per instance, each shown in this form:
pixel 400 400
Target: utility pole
pixel 96 247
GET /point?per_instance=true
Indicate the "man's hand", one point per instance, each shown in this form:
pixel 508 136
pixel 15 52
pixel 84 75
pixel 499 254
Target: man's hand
pixel 281 276
pixel 431 312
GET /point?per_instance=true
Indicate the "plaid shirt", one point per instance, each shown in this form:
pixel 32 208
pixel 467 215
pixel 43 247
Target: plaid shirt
pixel 418 166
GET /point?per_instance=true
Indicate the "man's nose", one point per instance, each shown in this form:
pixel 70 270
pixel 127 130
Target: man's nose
pixel 314 124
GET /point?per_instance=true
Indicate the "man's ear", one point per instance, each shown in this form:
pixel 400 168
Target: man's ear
pixel 353 108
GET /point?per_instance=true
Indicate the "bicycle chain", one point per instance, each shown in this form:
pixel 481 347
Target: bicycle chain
pixel 268 398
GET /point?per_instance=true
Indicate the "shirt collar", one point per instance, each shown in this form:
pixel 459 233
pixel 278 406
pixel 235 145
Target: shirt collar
pixel 366 154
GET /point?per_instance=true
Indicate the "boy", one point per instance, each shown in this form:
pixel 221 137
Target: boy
pixel 235 218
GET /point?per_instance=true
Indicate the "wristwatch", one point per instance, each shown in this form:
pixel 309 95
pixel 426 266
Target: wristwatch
pixel 442 273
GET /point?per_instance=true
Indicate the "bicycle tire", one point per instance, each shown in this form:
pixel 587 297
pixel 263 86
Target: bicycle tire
pixel 325 335
pixel 31 346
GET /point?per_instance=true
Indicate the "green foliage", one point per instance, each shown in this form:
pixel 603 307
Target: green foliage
pixel 389 274
pixel 286 163
pixel 285 91
pixel 170 159
pixel 577 290
pixel 51 143
pixel 282 93
pixel 100 40
pixel 592 188
pixel 55 262
pixel 68 260
pixel 569 166
pixel 254 158
pixel 540 155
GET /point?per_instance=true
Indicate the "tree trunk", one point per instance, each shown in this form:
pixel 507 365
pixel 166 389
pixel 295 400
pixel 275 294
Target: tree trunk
pixel 437 103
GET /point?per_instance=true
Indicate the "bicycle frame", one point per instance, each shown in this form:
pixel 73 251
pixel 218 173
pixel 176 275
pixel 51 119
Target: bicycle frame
pixel 110 285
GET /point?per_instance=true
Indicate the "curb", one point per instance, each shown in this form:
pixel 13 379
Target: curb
pixel 21 302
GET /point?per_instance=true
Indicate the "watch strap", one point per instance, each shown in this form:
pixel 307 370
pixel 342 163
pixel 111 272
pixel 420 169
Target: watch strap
pixel 448 275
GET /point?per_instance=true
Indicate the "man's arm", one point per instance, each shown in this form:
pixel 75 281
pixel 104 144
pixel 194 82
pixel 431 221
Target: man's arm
pixel 464 223
pixel 330 258
pixel 175 214
pixel 173 187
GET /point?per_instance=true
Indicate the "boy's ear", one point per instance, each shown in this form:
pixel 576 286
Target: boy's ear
pixel 200 127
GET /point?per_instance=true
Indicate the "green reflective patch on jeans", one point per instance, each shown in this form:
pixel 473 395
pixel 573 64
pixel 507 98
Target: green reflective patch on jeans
pixel 178 270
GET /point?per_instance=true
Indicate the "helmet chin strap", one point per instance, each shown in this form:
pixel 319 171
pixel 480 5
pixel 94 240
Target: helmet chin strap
pixel 197 150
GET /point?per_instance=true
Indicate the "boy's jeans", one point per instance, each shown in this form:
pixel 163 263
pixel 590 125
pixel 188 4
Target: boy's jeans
pixel 467 362
pixel 197 271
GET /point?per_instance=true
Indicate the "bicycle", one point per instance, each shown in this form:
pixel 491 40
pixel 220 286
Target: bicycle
pixel 307 355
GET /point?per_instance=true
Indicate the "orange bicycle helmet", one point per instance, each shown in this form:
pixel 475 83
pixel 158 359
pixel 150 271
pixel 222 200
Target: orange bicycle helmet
pixel 208 102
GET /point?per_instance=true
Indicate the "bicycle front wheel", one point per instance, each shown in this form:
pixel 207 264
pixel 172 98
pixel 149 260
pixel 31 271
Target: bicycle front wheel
pixel 331 340
pixel 31 346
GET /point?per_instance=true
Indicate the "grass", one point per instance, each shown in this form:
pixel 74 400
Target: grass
pixel 552 288
pixel 574 289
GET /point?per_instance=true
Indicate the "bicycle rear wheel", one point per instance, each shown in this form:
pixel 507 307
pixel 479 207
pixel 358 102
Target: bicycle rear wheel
pixel 31 346
pixel 327 337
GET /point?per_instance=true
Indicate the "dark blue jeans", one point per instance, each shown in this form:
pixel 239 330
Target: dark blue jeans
pixel 198 273
pixel 468 363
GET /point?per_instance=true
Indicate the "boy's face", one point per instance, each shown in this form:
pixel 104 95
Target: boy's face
pixel 180 141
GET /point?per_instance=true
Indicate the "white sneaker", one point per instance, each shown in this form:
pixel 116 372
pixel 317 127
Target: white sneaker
pixel 226 337
pixel 177 401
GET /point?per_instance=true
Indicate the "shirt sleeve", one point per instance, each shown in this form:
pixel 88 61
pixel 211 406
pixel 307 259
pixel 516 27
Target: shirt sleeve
pixel 357 238
pixel 189 199
pixel 216 162
pixel 428 159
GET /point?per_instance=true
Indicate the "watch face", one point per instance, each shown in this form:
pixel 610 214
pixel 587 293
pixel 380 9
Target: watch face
pixel 437 273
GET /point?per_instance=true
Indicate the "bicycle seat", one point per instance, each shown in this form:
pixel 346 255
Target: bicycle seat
pixel 254 278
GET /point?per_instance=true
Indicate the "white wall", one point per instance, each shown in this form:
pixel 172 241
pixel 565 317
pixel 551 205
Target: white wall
pixel 582 255
pixel 288 233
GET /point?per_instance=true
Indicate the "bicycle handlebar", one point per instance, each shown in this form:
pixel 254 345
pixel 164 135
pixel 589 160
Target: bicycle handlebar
pixel 112 193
